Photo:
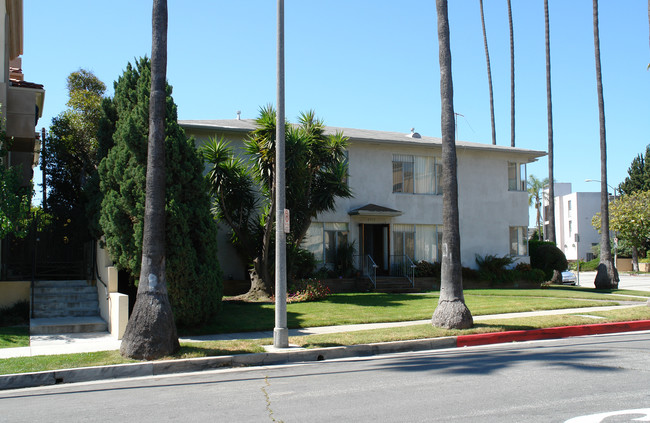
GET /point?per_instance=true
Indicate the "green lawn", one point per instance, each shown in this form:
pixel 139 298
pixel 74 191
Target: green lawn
pixel 342 309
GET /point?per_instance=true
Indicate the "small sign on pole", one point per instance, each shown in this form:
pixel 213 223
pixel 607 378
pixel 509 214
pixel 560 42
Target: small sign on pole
pixel 287 226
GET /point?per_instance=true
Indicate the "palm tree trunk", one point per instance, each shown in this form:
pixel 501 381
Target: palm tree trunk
pixel 512 77
pixel 451 311
pixel 151 331
pixel 550 234
pixel 607 276
pixel 489 73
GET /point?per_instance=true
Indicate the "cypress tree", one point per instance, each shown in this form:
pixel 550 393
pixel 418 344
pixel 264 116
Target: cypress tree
pixel 193 275
pixel 638 178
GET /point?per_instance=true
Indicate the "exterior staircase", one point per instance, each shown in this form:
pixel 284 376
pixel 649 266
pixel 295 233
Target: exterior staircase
pixel 65 307
pixel 394 284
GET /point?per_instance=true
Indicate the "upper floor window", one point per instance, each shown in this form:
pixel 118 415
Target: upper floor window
pixel 416 174
pixel 516 176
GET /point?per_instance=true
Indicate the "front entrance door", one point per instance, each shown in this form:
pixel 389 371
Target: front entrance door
pixel 375 244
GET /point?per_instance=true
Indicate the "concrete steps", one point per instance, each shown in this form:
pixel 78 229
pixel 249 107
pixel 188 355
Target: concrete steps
pixel 65 307
pixel 61 325
pixel 394 285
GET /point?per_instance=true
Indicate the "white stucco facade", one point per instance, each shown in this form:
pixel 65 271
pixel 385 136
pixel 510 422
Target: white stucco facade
pixel 573 214
pixel 491 208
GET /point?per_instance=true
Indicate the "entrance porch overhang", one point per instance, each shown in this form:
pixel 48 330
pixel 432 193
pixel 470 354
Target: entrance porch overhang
pixel 374 210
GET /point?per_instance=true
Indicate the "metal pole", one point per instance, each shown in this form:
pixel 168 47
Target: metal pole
pixel 280 332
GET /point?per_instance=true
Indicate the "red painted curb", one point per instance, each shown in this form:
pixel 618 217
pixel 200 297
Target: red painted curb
pixel 550 333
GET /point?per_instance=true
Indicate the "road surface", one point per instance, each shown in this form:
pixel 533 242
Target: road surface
pixel 543 381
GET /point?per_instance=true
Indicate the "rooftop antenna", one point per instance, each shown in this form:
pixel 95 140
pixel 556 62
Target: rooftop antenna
pixel 456 123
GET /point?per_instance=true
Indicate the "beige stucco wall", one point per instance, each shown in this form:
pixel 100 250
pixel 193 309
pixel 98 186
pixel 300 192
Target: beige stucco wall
pixel 113 306
pixel 13 292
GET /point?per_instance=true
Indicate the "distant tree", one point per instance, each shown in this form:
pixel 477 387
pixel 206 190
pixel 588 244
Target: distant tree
pixel 607 276
pixel 192 272
pixel 535 194
pixel 630 218
pixel 244 191
pixel 70 155
pixel 15 198
pixel 489 75
pixel 451 312
pixel 638 178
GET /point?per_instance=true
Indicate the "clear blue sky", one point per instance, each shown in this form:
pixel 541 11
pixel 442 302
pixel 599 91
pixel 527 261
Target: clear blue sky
pixel 373 64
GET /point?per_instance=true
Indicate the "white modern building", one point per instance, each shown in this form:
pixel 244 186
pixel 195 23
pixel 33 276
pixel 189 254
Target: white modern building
pixel 396 208
pixel 574 234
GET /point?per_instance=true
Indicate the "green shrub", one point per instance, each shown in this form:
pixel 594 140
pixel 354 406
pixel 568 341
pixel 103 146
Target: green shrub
pixel 494 269
pixel 425 269
pixel 300 262
pixel 586 266
pixel 470 274
pixel 547 257
pixel 15 315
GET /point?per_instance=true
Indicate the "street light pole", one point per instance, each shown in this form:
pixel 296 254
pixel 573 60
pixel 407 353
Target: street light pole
pixel 280 332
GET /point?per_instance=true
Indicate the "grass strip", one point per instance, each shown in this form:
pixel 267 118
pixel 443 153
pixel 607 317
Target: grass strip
pixel 217 348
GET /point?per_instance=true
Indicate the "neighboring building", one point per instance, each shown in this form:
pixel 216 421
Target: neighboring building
pixel 21 105
pixel 396 208
pixel 574 234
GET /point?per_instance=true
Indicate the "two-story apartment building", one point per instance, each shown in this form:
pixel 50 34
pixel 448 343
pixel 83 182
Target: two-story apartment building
pixel 396 208
pixel 574 234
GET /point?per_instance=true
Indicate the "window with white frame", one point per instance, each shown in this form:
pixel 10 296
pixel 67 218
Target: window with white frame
pixel 324 239
pixel 516 176
pixel 418 242
pixel 518 242
pixel 416 174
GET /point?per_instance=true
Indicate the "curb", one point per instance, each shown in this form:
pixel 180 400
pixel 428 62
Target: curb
pixel 159 368
pixel 550 333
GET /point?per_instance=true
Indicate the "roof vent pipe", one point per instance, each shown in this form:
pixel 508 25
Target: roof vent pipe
pixel 414 134
pixel 238 114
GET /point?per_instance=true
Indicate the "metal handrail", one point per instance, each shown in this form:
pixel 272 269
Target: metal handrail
pixel 410 270
pixel 403 266
pixel 371 267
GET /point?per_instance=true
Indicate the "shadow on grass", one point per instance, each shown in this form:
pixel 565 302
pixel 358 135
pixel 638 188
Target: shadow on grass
pixel 14 336
pixel 377 299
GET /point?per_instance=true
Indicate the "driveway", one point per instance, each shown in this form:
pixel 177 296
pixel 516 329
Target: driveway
pixel 640 282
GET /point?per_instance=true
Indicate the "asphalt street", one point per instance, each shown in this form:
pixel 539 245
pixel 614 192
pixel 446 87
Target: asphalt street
pixel 639 282
pixel 541 381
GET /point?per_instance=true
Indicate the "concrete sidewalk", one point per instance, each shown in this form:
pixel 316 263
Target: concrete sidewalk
pixel 57 344
pixel 91 342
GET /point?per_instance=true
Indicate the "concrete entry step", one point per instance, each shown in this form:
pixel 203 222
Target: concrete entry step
pixel 72 298
pixel 58 325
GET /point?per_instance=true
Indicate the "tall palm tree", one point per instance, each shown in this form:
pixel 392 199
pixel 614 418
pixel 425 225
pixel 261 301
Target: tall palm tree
pixel 451 311
pixel 550 235
pixel 535 190
pixel 606 277
pixel 489 72
pixel 512 77
pixel 151 331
